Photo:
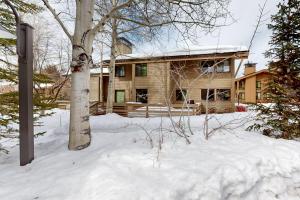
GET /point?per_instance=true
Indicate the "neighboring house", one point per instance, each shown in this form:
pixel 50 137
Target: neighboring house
pixel 251 88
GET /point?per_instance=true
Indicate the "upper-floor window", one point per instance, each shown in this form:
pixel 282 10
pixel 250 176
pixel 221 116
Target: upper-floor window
pixel 181 95
pixel 207 66
pixel 120 71
pixel 141 69
pixel 223 67
pixel 242 85
pixel 258 84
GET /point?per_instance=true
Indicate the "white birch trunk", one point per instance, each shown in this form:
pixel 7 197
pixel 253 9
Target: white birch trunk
pixel 79 132
pixel 111 83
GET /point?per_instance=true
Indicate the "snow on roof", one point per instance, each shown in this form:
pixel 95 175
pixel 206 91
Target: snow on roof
pixel 96 70
pixel 198 50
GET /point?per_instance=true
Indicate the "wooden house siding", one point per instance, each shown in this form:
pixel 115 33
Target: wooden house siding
pixel 194 82
pixel 161 82
pixel 250 91
pixel 94 88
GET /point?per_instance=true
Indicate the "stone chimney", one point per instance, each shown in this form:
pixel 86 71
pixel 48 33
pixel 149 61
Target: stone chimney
pixel 123 46
pixel 250 68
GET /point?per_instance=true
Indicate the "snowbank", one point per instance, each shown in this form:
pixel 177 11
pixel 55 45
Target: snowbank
pixel 119 164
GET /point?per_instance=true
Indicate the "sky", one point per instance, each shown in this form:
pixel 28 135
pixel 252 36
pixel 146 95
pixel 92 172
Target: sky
pixel 245 14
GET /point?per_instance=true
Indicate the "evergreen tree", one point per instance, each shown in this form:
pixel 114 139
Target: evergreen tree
pixel 283 118
pixel 9 102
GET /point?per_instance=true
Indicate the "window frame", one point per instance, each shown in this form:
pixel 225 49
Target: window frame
pixel 240 85
pixel 118 67
pixel 209 95
pixel 141 72
pixel 242 95
pixel 136 95
pixel 116 96
pixel 209 68
pixel 222 66
pixel 218 94
pixel 258 83
pixel 258 97
pixel 180 93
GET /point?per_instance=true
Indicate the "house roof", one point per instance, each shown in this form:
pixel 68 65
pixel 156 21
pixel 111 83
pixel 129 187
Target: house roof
pixel 253 74
pixel 185 52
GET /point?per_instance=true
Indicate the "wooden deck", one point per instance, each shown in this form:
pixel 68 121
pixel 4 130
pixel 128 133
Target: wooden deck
pixel 147 110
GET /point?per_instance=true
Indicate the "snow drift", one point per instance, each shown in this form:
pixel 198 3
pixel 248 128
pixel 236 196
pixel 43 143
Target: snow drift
pixel 119 164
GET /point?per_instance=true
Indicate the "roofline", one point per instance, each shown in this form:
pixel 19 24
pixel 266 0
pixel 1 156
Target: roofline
pixel 234 54
pixel 252 74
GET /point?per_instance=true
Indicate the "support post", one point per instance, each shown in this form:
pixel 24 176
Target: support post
pixel 25 59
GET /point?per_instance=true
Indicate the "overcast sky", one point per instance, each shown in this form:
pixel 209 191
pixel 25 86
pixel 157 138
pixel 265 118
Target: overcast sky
pixel 246 13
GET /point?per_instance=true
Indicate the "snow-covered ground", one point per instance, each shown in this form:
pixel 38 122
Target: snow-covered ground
pixel 121 165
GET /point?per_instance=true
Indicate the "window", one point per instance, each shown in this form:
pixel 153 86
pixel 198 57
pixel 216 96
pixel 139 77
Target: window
pixel 181 95
pixel 120 71
pixel 223 67
pixel 211 94
pixel 242 85
pixel 258 95
pixel 242 95
pixel 258 84
pixel 119 96
pixel 207 66
pixel 141 69
pixel 224 94
pixel 142 95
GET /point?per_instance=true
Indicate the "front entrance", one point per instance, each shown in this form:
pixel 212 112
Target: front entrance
pixel 105 88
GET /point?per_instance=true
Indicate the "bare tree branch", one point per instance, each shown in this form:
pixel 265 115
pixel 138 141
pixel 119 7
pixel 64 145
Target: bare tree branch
pixel 109 15
pixel 51 9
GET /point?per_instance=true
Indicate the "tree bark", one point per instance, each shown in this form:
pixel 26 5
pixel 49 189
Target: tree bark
pixel 111 83
pixel 80 132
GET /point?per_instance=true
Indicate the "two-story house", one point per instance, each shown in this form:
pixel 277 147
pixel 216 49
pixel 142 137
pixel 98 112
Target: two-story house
pixel 172 77
pixel 251 88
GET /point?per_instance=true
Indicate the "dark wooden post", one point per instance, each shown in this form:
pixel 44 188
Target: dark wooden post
pixel 147 111
pixel 25 54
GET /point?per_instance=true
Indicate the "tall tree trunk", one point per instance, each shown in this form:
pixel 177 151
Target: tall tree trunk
pixel 111 83
pixel 79 132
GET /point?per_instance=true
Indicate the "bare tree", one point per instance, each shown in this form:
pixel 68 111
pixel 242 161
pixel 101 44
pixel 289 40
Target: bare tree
pixel 199 13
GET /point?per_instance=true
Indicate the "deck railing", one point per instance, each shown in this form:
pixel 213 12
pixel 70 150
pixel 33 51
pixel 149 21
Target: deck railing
pixel 135 109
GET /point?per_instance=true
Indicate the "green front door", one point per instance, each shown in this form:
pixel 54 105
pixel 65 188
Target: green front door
pixel 120 96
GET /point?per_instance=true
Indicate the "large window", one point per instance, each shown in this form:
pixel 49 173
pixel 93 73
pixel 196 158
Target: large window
pixel 120 71
pixel 142 95
pixel 242 85
pixel 207 66
pixel 258 85
pixel 211 94
pixel 119 96
pixel 224 94
pixel 181 95
pixel 141 69
pixel 223 67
